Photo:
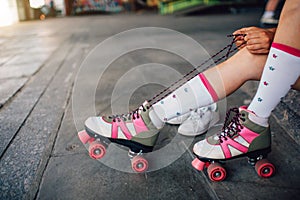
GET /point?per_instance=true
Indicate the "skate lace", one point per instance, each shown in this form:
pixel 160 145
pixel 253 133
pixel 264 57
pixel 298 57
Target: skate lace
pixel 167 91
pixel 135 114
pixel 194 72
pixel 197 114
pixel 232 124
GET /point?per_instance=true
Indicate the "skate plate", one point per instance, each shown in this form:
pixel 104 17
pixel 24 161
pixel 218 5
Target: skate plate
pixel 97 147
pixel 216 172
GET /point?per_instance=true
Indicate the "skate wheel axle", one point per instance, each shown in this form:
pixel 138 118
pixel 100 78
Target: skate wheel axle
pixel 264 168
pixel 97 150
pixel 139 164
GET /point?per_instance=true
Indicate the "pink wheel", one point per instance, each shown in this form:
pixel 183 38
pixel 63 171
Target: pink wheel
pixel 216 172
pixel 84 137
pixel 97 150
pixel 198 164
pixel 264 168
pixel 139 164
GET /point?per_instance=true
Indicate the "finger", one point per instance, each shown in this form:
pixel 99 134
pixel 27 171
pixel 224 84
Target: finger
pixel 260 41
pixel 239 31
pixel 240 42
pixel 241 46
pixel 259 51
pixel 239 38
pixel 256 47
pixel 252 35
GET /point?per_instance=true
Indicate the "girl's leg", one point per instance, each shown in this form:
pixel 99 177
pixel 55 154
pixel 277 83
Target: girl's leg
pixel 211 85
pixel 248 131
pixel 141 127
pixel 230 75
pixel 282 68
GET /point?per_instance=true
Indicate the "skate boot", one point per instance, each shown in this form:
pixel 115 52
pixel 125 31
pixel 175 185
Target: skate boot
pixel 240 137
pixel 134 130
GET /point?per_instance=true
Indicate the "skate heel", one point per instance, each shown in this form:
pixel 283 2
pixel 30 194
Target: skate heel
pixel 258 154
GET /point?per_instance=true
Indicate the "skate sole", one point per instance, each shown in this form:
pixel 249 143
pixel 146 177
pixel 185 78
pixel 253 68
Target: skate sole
pixel 216 172
pixel 132 145
pixel 252 154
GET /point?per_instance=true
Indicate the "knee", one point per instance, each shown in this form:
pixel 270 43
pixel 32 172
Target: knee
pixel 291 11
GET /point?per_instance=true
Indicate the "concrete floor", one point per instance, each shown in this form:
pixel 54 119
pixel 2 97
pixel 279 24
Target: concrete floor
pixel 41 156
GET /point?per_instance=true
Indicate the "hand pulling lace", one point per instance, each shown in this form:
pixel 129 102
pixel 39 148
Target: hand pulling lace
pixel 194 72
pixel 167 91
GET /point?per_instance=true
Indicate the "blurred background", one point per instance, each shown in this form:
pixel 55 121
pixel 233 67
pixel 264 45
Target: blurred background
pixel 12 11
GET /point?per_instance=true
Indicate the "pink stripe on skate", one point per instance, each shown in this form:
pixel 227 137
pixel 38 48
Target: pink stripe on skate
pixel 248 135
pixel 209 88
pixel 123 127
pixel 225 147
pixel 139 125
pixel 287 49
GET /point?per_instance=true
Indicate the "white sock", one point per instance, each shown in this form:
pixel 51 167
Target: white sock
pixel 196 93
pixel 268 14
pixel 281 71
pixel 158 123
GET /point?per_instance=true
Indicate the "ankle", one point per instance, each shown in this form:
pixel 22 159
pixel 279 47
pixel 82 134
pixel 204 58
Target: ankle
pixel 156 121
pixel 262 121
